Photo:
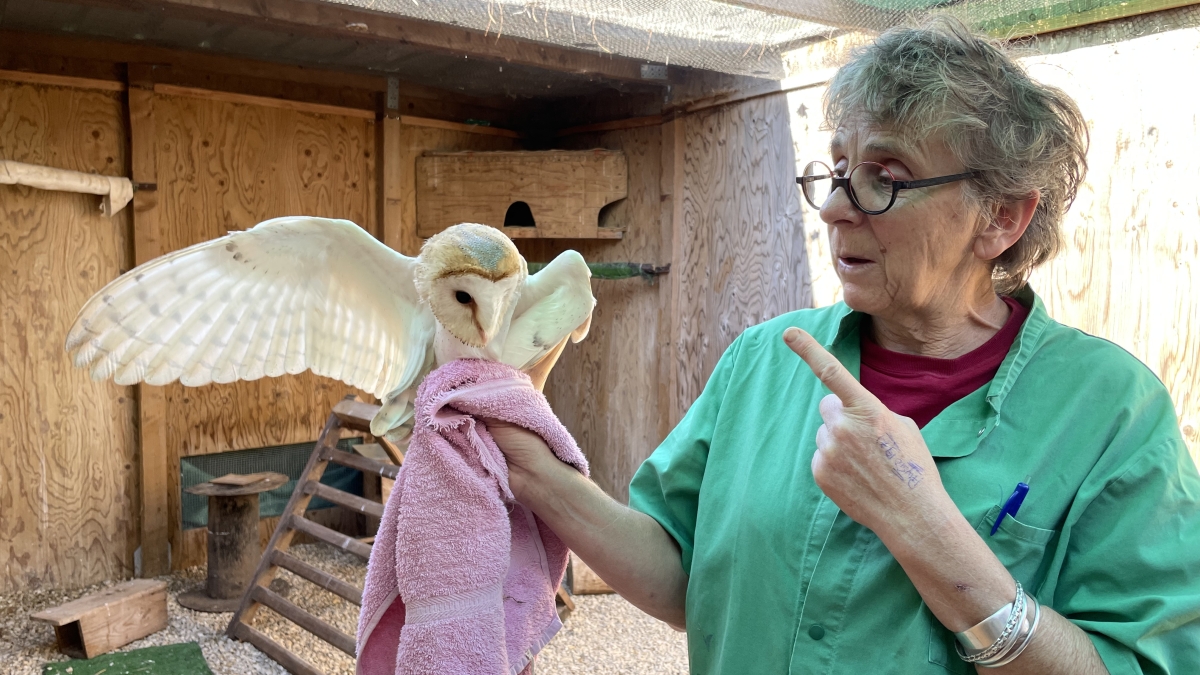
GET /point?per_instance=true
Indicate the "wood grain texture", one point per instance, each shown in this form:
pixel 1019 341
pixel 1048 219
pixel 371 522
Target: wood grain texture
pixel 68 477
pixel 565 190
pixel 227 166
pixel 606 388
pixel 1130 272
pixel 411 141
pixel 742 258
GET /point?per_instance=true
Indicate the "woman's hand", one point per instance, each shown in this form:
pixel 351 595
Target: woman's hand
pixel 527 454
pixel 871 462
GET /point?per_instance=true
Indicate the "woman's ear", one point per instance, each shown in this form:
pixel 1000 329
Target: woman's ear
pixel 1009 221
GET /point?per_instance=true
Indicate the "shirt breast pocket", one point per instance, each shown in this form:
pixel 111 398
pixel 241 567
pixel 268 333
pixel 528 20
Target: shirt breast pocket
pixel 1022 549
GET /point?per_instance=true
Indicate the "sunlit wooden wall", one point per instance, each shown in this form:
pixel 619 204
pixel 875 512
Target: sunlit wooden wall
pixel 68 446
pixel 1129 270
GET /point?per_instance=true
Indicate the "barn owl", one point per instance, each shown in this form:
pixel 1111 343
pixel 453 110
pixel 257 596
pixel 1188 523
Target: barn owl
pixel 299 293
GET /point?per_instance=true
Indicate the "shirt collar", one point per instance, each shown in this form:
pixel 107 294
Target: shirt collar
pixel 848 322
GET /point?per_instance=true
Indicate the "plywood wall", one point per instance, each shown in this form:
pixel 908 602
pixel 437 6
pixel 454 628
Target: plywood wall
pixel 1129 270
pixel 227 166
pixel 606 389
pixel 68 446
pixel 740 255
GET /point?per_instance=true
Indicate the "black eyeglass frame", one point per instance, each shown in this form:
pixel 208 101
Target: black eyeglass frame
pixel 897 185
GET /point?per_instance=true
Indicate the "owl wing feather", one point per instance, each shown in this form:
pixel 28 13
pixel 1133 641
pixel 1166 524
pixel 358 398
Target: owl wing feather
pixel 288 295
pixel 555 303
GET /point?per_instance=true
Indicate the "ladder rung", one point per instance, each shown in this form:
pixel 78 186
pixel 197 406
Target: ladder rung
pixel 308 622
pixel 316 576
pixel 294 664
pixel 355 414
pixel 302 524
pixel 361 463
pixel 345 499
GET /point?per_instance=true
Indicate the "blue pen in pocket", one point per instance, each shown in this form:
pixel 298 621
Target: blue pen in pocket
pixel 1011 505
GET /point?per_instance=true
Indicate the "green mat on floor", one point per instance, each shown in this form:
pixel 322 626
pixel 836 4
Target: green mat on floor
pixel 181 659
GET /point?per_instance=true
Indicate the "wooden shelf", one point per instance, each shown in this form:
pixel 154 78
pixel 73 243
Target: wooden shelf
pixel 563 190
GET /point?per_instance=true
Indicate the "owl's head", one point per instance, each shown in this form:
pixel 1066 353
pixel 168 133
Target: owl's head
pixel 470 275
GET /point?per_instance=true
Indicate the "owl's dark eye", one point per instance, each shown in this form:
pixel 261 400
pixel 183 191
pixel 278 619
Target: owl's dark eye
pixel 463 297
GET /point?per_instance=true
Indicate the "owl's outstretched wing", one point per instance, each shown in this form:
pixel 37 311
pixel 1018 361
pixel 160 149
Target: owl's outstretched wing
pixel 555 302
pixel 288 295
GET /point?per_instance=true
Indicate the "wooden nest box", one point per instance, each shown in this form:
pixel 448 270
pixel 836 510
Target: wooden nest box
pixel 528 195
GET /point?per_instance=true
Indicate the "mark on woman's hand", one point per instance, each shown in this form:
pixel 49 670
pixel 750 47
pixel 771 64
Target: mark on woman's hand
pixel 909 472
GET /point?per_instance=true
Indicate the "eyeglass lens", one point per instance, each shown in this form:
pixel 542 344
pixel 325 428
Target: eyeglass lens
pixel 870 185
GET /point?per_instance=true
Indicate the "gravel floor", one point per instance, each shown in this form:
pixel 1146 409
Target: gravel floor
pixel 605 634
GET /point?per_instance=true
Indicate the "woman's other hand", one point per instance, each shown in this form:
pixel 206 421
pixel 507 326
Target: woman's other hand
pixel 871 462
pixel 527 454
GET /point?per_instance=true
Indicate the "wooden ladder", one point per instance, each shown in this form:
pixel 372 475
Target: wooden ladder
pixel 353 414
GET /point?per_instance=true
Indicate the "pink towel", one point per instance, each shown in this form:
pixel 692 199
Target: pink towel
pixel 462 579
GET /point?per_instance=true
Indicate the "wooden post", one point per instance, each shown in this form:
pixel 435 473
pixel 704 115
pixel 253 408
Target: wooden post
pixel 387 159
pixel 671 187
pixel 147 245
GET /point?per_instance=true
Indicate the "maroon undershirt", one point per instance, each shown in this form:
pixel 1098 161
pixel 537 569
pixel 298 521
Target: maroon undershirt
pixel 920 387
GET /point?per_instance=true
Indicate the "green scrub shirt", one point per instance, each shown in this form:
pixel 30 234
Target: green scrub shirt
pixel 781 581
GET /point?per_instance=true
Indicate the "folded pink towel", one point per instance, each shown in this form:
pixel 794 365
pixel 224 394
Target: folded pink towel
pixel 462 579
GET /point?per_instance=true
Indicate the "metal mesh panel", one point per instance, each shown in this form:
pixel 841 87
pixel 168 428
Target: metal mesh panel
pixel 286 459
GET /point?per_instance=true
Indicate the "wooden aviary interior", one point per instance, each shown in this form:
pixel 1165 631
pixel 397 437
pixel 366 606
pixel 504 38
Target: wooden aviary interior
pixel 550 194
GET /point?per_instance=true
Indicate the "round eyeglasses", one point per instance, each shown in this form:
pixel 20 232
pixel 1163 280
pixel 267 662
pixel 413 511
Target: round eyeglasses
pixel 871 186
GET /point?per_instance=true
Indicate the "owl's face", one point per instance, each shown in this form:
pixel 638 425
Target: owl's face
pixel 471 275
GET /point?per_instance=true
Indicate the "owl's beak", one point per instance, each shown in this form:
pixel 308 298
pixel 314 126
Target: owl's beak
pixel 489 318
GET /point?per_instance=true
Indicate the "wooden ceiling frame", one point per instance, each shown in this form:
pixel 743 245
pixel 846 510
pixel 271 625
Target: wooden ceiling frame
pixel 317 17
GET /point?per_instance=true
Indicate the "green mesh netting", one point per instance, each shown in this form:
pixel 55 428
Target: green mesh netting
pixel 286 459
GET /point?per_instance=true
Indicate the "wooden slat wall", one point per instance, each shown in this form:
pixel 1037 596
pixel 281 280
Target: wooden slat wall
pixel 606 388
pixel 227 166
pixel 740 258
pixel 68 446
pixel 1129 270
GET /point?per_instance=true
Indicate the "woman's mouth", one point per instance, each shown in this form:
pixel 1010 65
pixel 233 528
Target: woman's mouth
pixel 850 260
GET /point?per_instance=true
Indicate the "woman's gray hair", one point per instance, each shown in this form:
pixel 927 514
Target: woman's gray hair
pixel 1021 136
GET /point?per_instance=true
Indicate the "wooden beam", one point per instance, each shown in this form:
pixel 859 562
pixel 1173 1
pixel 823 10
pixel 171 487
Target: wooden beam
pixel 294 664
pixel 327 18
pixel 152 404
pixel 345 499
pixel 364 464
pixel 292 612
pixel 615 125
pixel 61 80
pixel 227 97
pixel 1002 28
pixel 457 126
pixel 317 577
pixel 331 537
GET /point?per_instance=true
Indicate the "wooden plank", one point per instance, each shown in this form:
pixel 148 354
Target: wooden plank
pixel 615 125
pixel 584 581
pixel 671 224
pixel 109 619
pixel 565 190
pixel 148 243
pixel 615 412
pixel 284 104
pixel 1015 26
pixel 349 544
pixel 411 121
pixel 68 472
pixel 363 464
pixel 364 25
pixel 392 450
pixel 317 577
pixel 355 414
pixel 293 663
pixel 739 258
pixel 345 499
pixel 61 80
pixel 303 619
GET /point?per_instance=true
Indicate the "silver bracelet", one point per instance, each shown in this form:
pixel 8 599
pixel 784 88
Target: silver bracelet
pixel 984 633
pixel 1023 640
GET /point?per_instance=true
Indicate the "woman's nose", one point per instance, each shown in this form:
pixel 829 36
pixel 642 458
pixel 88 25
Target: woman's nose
pixel 839 209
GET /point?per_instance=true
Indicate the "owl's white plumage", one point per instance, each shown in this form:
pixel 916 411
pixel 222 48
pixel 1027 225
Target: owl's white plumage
pixel 300 293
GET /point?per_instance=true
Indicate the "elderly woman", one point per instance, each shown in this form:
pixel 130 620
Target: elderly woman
pixel 932 475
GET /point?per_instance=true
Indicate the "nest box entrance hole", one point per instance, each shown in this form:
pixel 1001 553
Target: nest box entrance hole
pixel 519 215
